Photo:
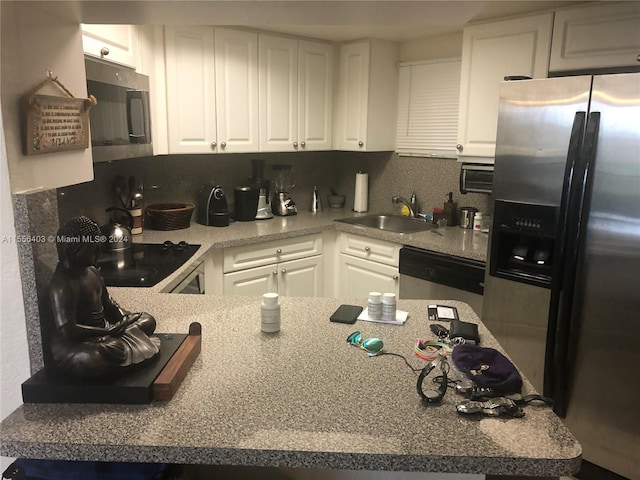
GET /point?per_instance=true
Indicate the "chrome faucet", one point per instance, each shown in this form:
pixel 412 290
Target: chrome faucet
pixel 412 204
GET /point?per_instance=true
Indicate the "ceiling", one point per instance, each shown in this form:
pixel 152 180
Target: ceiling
pixel 338 20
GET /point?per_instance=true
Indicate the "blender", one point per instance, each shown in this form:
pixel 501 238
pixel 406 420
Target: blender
pixel 264 205
pixel 282 204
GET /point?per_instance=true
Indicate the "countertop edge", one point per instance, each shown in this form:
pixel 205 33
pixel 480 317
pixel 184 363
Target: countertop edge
pixel 520 466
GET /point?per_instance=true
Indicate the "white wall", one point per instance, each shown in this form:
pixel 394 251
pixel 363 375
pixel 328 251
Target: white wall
pixel 444 46
pixel 36 38
pixel 14 355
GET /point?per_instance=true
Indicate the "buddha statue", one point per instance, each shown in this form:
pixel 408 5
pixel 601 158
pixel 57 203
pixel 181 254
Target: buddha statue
pixel 94 336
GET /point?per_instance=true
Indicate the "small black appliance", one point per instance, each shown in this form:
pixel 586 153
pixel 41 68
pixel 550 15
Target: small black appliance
pixel 246 203
pixel 212 206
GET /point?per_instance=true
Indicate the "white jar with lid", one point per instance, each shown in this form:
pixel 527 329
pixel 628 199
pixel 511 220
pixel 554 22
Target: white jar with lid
pixel 477 222
pixel 270 313
pixel 389 307
pixel 374 307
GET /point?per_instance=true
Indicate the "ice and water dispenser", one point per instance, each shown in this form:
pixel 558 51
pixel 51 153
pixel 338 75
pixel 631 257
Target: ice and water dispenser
pixel 523 242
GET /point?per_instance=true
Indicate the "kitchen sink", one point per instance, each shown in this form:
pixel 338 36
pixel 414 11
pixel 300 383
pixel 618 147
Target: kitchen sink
pixel 389 223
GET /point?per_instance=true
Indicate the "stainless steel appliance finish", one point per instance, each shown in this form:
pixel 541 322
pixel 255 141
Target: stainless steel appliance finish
pixel 426 275
pixel 120 123
pixel 476 178
pixel 466 217
pixel 568 156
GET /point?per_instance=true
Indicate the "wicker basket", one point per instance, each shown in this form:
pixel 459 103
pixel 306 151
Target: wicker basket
pixel 170 216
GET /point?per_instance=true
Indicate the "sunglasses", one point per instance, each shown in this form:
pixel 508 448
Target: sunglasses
pixel 372 346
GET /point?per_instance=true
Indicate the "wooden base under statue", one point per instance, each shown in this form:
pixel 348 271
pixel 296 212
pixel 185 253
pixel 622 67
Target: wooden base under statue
pixel 158 379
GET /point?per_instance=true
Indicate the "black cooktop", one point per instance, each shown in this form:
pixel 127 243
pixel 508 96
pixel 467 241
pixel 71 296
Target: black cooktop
pixel 144 264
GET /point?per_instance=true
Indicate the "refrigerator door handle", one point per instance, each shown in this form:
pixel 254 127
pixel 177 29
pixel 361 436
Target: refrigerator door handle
pixel 567 327
pixel 573 156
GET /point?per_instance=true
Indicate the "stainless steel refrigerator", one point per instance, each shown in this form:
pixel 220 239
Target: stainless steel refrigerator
pixel 562 288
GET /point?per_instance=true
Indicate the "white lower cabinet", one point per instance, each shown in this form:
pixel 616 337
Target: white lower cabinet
pixel 358 277
pixel 292 267
pixel 365 265
pixel 296 278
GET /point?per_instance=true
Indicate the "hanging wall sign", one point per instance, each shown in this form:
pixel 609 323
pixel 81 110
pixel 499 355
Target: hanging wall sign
pixel 55 124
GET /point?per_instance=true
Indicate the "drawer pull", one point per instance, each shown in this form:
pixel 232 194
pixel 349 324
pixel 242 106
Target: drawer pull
pixel 283 271
pixel 279 251
pixel 395 277
pixel 367 249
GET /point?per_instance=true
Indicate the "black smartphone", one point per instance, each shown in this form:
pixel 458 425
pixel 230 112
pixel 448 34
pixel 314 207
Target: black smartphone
pixel 346 314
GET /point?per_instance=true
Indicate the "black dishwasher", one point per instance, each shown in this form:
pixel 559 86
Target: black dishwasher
pixel 428 275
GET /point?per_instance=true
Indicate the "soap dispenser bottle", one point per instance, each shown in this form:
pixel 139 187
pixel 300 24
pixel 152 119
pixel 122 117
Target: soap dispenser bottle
pixel 451 210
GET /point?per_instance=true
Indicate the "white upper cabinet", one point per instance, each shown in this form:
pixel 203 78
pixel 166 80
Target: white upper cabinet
pixel 236 66
pixel 278 87
pixel 600 35
pixel 191 96
pixel 115 43
pixel 315 95
pixel 295 86
pixel 367 96
pixel 491 51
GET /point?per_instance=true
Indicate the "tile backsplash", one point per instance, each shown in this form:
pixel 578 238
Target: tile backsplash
pixel 177 178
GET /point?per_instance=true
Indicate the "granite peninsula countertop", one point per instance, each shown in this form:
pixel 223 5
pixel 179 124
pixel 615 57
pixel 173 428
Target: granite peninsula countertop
pixel 300 398
pixel 454 241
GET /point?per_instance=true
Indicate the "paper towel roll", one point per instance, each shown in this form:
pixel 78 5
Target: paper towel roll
pixel 361 196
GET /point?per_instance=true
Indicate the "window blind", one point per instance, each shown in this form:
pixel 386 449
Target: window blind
pixel 428 97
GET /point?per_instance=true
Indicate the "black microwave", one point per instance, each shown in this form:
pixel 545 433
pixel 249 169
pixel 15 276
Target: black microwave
pixel 120 123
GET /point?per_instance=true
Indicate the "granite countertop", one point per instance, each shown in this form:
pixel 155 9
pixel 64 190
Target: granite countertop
pixel 300 398
pixel 455 241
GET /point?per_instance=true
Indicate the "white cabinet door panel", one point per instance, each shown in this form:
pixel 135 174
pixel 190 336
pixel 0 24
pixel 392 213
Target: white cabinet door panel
pixel 315 90
pixel 190 89
pixel 354 92
pixel 358 277
pixel 278 87
pixel 254 281
pixel 598 35
pixel 491 51
pixel 121 41
pixel 236 63
pixel 301 278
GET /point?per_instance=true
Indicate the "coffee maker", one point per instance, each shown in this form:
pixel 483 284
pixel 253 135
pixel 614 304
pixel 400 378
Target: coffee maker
pixel 282 203
pixel 212 206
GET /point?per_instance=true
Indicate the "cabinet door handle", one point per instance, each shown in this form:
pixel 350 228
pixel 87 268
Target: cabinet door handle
pixel 303 144
pixel 459 147
pixel 360 143
pixel 214 144
pixel 367 249
pixel 279 251
pixel 104 51
pixel 395 277
pixel 223 144
pixel 295 144
pixel 283 271
pixel 275 272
